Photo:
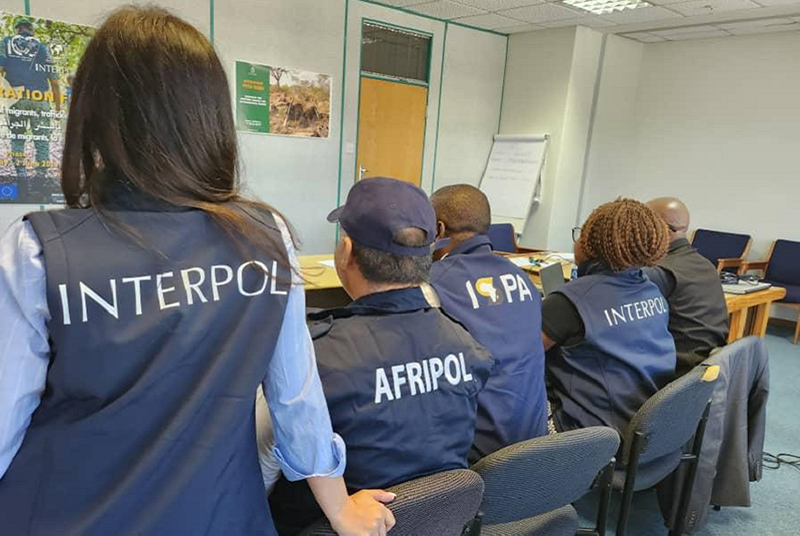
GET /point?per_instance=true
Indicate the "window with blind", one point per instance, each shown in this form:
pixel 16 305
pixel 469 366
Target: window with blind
pixel 395 53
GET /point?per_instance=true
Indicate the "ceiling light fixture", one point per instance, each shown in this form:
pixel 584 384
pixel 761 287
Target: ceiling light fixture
pixel 604 7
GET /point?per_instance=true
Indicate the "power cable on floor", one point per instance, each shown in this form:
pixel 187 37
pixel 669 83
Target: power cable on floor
pixel 771 461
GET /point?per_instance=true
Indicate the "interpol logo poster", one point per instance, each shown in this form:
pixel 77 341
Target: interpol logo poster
pixel 38 60
pixel 276 100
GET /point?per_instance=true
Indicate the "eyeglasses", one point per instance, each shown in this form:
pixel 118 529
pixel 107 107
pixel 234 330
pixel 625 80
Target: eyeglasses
pixel 576 234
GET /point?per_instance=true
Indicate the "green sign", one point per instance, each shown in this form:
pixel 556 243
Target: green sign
pixel 252 97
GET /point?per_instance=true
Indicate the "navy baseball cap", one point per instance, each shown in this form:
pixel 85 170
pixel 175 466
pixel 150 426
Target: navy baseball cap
pixel 376 209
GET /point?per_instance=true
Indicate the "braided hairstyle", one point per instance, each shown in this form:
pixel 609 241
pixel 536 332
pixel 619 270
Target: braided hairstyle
pixel 624 233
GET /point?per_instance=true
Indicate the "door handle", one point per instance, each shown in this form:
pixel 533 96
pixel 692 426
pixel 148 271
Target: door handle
pixel 361 171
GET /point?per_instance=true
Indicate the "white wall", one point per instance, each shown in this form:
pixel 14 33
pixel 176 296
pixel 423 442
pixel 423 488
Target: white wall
pixel 534 102
pixel 300 177
pixel 550 89
pixel 471 95
pixel 614 139
pixel 573 145
pixel 717 123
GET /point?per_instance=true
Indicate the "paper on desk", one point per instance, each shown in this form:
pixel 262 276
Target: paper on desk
pixel 569 257
pixel 329 264
pixel 522 262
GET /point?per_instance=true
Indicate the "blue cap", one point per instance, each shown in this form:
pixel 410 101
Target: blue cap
pixel 376 209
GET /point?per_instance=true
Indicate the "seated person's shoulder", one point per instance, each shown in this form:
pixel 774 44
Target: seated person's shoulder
pixel 561 321
pixel 662 278
pixel 319 327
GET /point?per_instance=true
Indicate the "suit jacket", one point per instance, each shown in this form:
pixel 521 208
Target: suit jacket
pixel 733 445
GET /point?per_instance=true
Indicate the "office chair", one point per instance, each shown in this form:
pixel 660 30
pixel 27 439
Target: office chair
pixel 726 251
pixel 654 440
pixel 529 486
pixel 504 239
pixel 782 269
pixel 444 504
pixel 733 448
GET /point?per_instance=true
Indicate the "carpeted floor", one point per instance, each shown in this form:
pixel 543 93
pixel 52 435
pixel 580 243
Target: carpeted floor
pixel 776 499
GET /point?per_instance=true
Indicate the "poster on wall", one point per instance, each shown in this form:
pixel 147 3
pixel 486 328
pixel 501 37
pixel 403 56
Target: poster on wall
pixel 38 60
pixel 276 100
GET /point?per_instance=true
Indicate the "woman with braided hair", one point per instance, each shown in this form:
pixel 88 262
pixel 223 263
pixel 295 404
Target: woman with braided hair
pixel 610 323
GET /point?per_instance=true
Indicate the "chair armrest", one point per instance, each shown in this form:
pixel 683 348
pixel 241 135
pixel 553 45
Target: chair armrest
pixel 728 263
pixel 754 265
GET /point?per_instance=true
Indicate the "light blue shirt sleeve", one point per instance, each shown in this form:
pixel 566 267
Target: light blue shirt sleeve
pixel 24 346
pixel 300 439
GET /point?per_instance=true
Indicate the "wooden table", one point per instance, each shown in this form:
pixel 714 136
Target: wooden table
pixel 543 257
pixel 323 288
pixel 750 312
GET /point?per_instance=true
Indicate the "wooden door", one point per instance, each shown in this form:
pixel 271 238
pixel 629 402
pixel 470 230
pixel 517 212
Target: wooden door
pixel 391 129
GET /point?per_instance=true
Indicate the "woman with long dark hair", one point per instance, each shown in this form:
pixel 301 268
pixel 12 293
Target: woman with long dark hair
pixel 139 322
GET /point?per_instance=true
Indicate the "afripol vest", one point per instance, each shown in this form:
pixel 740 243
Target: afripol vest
pixel 502 309
pixel 147 425
pixel 698 316
pixel 626 356
pixel 401 381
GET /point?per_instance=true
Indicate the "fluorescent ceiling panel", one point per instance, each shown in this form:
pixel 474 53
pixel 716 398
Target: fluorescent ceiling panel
pixel 605 7
pixel 645 14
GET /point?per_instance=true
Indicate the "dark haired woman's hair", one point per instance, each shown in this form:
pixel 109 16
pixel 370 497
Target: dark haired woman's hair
pixel 623 234
pixel 151 108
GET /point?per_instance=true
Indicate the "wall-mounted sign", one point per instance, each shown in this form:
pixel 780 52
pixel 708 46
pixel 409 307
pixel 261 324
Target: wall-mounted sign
pixel 38 59
pixel 276 100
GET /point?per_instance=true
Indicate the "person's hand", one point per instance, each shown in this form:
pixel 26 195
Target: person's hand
pixel 364 514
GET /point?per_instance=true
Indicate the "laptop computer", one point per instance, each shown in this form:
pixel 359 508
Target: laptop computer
pixel 552 278
pixel 743 287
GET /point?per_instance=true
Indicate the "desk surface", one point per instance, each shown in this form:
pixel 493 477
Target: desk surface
pixel 737 302
pixel 544 257
pixel 318 276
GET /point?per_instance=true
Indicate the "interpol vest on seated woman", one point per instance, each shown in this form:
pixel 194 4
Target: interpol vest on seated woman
pixel 611 323
pixel 138 322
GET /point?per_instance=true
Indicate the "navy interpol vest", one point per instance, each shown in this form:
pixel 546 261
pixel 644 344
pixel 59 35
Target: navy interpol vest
pixel 402 382
pixel 501 308
pixel 627 354
pixel 147 423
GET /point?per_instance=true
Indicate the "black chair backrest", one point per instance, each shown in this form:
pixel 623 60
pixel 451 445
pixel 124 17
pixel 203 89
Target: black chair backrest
pixel 669 418
pixel 542 474
pixel 784 265
pixel 716 245
pixel 439 505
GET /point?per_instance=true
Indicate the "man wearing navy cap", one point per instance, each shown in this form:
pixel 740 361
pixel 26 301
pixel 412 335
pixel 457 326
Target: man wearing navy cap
pixel 401 378
pixel 502 309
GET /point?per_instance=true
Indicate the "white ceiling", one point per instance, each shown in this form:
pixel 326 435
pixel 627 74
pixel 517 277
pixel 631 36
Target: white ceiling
pixel 665 20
